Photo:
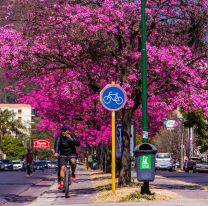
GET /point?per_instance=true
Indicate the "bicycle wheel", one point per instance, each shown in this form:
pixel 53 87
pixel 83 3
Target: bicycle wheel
pixel 106 100
pixel 119 100
pixel 66 182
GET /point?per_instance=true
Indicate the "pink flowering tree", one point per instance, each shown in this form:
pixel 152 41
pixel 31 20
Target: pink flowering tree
pixel 67 52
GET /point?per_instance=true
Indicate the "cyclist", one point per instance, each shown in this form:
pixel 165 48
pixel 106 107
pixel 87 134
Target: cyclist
pixel 66 146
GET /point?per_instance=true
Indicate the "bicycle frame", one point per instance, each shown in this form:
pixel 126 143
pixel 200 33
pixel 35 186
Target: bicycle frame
pixel 67 179
pixel 67 176
pixel 113 97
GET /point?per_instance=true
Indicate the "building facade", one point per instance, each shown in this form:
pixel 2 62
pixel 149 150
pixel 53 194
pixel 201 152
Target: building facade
pixel 22 113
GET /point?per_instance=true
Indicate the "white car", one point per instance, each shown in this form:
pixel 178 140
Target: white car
pixel 164 161
pixel 17 164
pixel 52 164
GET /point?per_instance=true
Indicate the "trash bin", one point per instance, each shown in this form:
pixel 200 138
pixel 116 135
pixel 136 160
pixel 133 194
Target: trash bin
pixel 145 161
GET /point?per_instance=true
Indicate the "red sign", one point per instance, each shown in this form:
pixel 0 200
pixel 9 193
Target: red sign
pixel 41 143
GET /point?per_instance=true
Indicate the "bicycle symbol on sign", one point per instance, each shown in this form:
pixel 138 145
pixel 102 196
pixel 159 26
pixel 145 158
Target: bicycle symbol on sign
pixel 113 97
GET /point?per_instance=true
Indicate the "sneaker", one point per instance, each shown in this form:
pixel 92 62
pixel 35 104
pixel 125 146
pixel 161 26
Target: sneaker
pixel 74 178
pixel 60 186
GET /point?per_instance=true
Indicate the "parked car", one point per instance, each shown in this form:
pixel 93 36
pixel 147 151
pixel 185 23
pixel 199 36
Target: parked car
pixel 200 167
pixel 38 165
pixel 164 161
pixel 24 166
pixel 1 165
pixel 189 164
pixel 53 164
pixel 45 163
pixel 17 164
pixel 8 165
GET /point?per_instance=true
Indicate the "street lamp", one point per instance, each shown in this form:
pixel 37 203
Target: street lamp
pixel 145 186
pixel 144 74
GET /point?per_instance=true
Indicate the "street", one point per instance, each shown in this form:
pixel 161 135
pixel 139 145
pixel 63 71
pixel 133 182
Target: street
pixel 188 185
pixel 39 189
pixel 16 188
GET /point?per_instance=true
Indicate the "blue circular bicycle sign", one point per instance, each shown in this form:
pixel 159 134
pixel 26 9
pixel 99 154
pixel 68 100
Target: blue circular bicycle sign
pixel 113 97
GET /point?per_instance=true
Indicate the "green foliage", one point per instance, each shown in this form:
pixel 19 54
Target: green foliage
pixel 139 140
pixel 137 196
pixel 13 148
pixel 42 154
pixel 9 125
pixel 197 120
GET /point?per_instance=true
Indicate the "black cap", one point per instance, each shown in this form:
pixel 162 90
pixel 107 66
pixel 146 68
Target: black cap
pixel 64 128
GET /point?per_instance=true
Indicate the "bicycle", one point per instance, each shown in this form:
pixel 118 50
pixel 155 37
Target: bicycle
pixel 113 97
pixel 67 176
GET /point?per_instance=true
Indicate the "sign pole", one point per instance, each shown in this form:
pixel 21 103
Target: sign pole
pixel 113 98
pixel 113 153
pixel 113 119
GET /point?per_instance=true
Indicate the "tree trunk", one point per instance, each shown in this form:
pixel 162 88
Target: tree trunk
pixel 125 174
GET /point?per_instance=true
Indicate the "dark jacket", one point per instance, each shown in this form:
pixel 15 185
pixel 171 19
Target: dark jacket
pixel 29 158
pixel 66 147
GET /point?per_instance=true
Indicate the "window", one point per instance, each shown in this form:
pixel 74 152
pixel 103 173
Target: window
pixel 34 112
pixel 163 156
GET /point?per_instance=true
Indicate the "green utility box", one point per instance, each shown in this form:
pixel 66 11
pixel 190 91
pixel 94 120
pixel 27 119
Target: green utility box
pixel 145 161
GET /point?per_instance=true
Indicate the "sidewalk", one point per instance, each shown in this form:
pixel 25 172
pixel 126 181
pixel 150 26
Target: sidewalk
pixel 79 193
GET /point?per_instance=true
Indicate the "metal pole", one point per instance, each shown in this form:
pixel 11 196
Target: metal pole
pixel 182 146
pixel 113 150
pixel 191 142
pixel 144 75
pixel 145 186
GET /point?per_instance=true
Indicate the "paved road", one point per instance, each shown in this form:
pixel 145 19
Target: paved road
pixel 192 187
pixel 198 178
pixel 17 189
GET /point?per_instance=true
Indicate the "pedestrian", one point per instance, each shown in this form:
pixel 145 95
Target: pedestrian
pixel 29 161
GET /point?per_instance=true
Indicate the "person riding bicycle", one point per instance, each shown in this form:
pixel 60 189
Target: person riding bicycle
pixel 66 146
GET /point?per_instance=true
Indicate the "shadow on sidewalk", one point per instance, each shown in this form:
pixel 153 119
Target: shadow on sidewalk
pixel 178 187
pixel 18 199
pixel 76 192
pixel 17 183
pixel 40 185
pixel 83 180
